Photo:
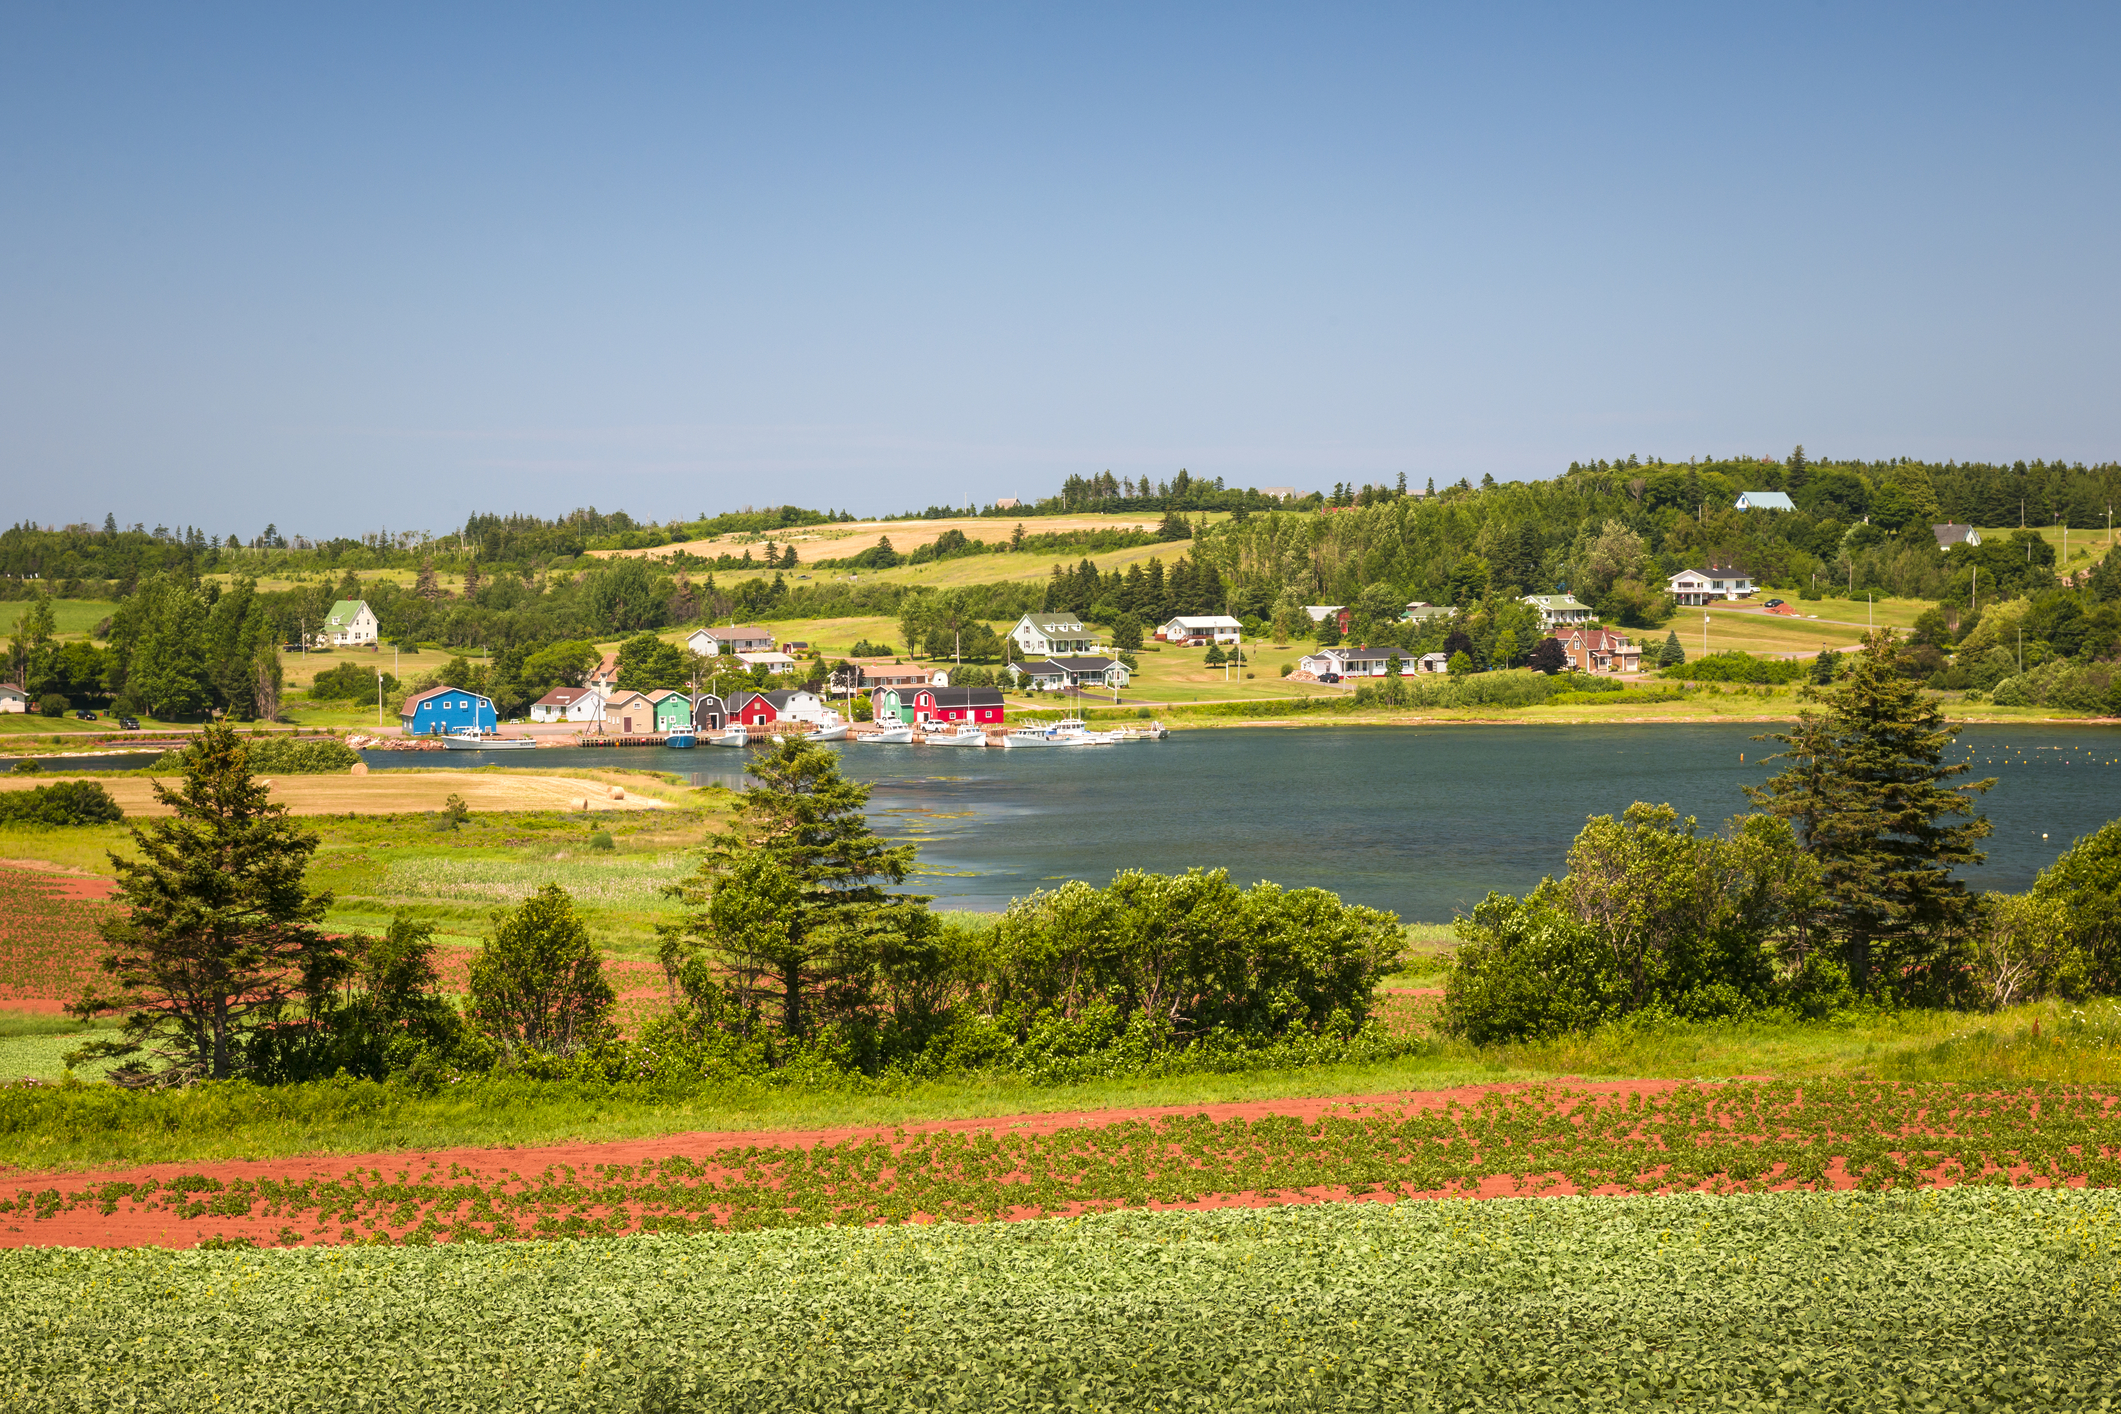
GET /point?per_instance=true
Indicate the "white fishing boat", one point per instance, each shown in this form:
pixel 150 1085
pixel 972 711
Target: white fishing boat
pixel 1155 731
pixel 1037 734
pixel 891 734
pixel 964 735
pixel 737 735
pixel 836 732
pixel 1074 731
pixel 468 739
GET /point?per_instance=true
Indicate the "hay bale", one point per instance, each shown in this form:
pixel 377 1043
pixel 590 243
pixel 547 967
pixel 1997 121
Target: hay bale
pixel 578 803
pixel 618 792
pixel 359 768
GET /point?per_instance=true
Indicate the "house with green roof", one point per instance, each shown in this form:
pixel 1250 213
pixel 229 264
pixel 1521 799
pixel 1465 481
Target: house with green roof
pixel 350 624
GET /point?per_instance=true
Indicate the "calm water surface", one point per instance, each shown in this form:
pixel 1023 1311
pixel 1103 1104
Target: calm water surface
pixel 1420 820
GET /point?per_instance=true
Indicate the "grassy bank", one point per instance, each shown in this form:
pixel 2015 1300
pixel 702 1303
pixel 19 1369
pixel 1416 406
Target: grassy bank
pixel 93 1126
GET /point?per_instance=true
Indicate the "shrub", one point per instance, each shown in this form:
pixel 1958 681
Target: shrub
pixel 62 803
pixel 280 755
pixel 350 682
pixel 1737 667
pixel 53 704
pixel 601 840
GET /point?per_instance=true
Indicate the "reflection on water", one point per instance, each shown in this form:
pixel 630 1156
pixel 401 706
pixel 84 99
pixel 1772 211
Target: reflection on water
pixel 1421 820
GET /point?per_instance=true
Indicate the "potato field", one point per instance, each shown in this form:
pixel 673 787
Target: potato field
pixel 1974 1298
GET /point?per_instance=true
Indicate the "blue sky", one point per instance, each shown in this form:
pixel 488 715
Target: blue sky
pixel 385 265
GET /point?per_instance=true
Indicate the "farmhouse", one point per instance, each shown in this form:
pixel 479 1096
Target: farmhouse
pixel 1043 676
pixel 569 704
pixel 729 638
pixel 1697 587
pixel 1558 610
pixel 13 698
pixel 1950 535
pixel 771 661
pixel 605 677
pixel 1279 493
pixel 1354 662
pixel 901 675
pixel 1598 650
pixel 440 711
pixel 1764 501
pixel 981 706
pixel 1037 634
pixel 350 624
pixel 1192 630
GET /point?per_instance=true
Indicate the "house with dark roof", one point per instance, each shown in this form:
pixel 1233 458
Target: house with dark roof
pixel 981 706
pixel 1037 634
pixel 1599 650
pixel 1074 670
pixel 439 711
pixel 1950 535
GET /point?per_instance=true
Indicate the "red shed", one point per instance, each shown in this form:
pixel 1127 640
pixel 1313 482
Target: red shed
pixel 979 705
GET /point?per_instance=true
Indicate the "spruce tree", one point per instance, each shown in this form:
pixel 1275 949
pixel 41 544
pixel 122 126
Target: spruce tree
pixel 217 931
pixel 790 905
pixel 1865 790
pixel 1673 653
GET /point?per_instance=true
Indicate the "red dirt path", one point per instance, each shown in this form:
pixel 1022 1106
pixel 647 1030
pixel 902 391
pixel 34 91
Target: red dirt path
pixel 85 1227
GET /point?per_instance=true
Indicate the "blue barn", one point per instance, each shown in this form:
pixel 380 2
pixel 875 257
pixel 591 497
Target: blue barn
pixel 443 710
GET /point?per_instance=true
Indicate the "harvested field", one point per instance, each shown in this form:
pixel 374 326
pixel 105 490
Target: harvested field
pixel 836 542
pixel 1614 1139
pixel 48 939
pixel 396 792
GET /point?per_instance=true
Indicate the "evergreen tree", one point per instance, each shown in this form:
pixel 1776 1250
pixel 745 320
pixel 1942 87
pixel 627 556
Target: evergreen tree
pixel 1865 791
pixel 427 586
pixel 1673 653
pixel 788 911
pixel 217 930
pixel 538 983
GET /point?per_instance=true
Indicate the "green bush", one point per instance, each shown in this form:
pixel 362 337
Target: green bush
pixel 1737 667
pixel 53 704
pixel 350 682
pixel 280 755
pixel 62 803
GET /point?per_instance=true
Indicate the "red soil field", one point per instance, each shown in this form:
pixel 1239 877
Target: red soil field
pixel 48 940
pixel 610 1188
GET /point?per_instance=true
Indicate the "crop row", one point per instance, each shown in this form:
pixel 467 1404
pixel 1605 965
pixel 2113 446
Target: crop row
pixel 1723 1138
pixel 49 946
pixel 1960 1299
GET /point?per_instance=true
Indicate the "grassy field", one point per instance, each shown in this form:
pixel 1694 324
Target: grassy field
pixel 400 792
pixel 2051 1043
pixel 1975 1299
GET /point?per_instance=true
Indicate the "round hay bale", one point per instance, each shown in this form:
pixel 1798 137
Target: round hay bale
pixel 618 792
pixel 359 768
pixel 578 803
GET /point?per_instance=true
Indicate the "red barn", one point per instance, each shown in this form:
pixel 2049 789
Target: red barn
pixel 981 706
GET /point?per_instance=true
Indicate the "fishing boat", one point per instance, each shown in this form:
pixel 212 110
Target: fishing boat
pixel 737 735
pixel 836 732
pixel 894 734
pixel 964 735
pixel 1038 734
pixel 1074 731
pixel 1155 731
pixel 681 740
pixel 468 739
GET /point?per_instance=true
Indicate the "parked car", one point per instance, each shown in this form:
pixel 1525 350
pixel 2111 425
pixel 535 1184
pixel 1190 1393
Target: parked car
pixel 1329 677
pixel 84 715
pixel 131 724
pixel 1772 604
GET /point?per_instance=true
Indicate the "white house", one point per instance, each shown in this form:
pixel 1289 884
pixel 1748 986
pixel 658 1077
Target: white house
pixel 1950 535
pixel 13 698
pixel 1354 662
pixel 604 678
pixel 1558 610
pixel 1279 493
pixel 1047 634
pixel 729 638
pixel 1205 628
pixel 350 624
pixel 569 704
pixel 1433 663
pixel 1094 670
pixel 1696 587
pixel 1764 501
pixel 772 662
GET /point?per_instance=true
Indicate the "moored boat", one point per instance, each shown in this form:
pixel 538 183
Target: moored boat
pixel 836 732
pixel 737 735
pixel 965 735
pixel 466 739
pixel 683 741
pixel 893 734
